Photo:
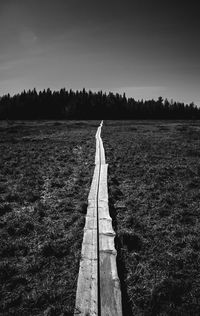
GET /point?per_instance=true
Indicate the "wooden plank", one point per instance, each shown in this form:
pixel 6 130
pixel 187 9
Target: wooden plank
pixel 87 296
pixel 109 281
pixel 94 186
pixel 102 152
pixel 87 285
pixel 97 153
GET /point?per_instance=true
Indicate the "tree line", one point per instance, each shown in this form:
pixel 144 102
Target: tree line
pixel 64 104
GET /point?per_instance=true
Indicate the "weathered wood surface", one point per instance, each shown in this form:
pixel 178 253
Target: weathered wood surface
pixel 98 287
pixel 109 282
pixel 87 286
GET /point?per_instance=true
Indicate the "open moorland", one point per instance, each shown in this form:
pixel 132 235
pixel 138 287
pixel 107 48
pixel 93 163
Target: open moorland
pixel 153 182
pixel 45 177
pixel 154 200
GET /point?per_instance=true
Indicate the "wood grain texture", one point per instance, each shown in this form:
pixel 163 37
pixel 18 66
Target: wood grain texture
pixel 87 286
pixel 109 281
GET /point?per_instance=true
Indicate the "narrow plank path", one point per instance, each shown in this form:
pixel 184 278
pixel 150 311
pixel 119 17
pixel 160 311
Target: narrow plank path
pixel 98 287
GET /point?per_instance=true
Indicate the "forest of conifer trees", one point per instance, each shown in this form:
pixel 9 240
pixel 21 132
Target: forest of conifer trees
pixel 82 105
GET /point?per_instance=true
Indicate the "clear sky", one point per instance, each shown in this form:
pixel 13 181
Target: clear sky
pixel 145 48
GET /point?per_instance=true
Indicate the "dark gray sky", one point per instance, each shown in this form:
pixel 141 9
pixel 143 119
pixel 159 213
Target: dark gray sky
pixel 145 48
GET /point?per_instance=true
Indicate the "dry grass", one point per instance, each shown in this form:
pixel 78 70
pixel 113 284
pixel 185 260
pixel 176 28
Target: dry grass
pixel 154 194
pixel 46 171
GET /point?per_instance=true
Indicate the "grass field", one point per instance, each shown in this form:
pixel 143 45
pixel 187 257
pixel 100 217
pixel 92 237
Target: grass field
pixel 45 177
pixel 154 182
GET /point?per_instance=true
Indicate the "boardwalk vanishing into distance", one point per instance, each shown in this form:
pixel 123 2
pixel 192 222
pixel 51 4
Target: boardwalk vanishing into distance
pixel 98 287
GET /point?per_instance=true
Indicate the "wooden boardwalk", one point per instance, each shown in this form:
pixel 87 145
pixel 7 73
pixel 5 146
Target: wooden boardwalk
pixel 98 287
